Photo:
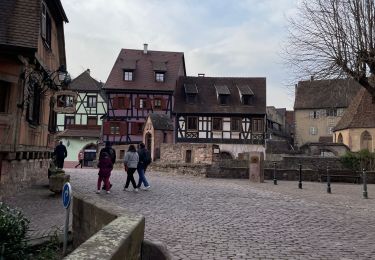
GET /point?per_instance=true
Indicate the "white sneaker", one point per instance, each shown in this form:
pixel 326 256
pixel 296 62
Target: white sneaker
pixel 108 192
pixel 136 190
pixel 147 187
pixel 98 192
pixel 126 189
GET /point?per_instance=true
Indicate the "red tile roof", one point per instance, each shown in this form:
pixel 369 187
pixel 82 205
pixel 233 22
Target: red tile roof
pixel 145 66
pixel 360 113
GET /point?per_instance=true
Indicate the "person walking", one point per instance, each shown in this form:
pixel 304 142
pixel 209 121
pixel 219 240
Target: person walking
pixel 61 153
pixel 80 159
pixel 130 164
pixel 105 166
pixel 112 154
pixel 144 161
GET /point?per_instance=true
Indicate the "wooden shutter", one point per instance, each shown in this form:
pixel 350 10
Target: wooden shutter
pixel 115 103
pixel 127 103
pixel 134 128
pixel 149 103
pixel 137 102
pixel 164 103
pixel 123 128
pixel 107 128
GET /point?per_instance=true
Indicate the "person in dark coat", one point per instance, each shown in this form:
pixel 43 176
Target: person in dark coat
pixel 112 154
pixel 105 166
pixel 61 153
pixel 144 161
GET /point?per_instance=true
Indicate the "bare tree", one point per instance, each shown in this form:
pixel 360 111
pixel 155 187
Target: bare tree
pixel 334 39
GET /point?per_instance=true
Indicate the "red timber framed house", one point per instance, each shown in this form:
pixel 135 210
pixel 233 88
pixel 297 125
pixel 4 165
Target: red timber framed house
pixel 141 82
pixel 229 112
pixel 32 72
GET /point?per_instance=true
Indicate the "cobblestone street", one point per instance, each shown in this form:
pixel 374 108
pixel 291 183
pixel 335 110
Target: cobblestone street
pixel 199 218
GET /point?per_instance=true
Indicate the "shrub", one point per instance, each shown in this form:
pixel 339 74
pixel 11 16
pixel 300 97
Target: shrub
pixel 13 228
pixel 359 160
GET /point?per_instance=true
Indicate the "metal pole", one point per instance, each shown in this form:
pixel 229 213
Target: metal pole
pixel 274 174
pixel 328 181
pixel 364 176
pixel 66 228
pixel 300 177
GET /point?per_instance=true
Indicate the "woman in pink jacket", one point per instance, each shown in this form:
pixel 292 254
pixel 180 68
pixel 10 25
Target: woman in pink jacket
pixel 105 167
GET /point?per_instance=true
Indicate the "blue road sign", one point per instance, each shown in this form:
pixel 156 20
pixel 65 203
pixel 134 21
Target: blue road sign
pixel 67 194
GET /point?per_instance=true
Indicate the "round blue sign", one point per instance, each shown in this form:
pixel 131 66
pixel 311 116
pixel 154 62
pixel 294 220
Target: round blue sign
pixel 67 194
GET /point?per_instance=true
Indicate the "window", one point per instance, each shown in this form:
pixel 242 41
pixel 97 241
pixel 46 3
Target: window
pixel 92 120
pixel 330 130
pixel 33 108
pixel 192 123
pixel 159 76
pixel 313 130
pixel 217 124
pixel 340 111
pixel 46 25
pixel 91 101
pixel 258 125
pixel 314 114
pixel 235 124
pixel 332 112
pixel 157 103
pixel 128 75
pixel 247 100
pixel 115 128
pixel 142 103
pixel 69 120
pixel 139 128
pixel 223 99
pixel 4 96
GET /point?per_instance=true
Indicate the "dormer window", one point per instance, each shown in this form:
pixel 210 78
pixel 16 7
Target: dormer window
pixel 191 92
pixel 159 76
pixel 246 95
pixel 222 93
pixel 128 75
pixel 46 25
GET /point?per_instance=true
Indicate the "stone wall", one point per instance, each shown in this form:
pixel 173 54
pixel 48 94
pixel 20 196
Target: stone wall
pixel 180 168
pixel 177 153
pixel 16 175
pixel 309 162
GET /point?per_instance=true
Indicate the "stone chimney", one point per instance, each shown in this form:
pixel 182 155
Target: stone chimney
pixel 88 71
pixel 145 45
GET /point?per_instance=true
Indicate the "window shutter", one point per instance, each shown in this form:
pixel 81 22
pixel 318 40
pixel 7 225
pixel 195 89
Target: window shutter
pixel 134 128
pixel 107 128
pixel 115 103
pixel 164 103
pixel 149 103
pixel 127 103
pixel 44 20
pixel 137 103
pixel 123 128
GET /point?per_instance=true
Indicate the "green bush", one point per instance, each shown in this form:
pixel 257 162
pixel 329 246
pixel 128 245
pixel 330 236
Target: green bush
pixel 13 228
pixel 357 161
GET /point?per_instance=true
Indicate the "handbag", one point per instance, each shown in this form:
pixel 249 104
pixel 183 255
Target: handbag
pixel 126 167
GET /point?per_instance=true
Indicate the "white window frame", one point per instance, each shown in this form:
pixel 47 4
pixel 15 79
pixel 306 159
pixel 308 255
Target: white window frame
pixel 142 103
pixel 128 75
pixel 313 130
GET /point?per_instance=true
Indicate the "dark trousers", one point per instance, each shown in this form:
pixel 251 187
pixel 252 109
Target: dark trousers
pixel 130 178
pixel 60 162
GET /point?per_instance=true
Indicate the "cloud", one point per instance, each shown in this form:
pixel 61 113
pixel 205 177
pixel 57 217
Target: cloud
pixel 219 38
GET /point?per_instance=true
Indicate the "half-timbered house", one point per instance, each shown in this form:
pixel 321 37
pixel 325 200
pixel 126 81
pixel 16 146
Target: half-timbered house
pixel 81 130
pixel 230 112
pixel 141 82
pixel 32 71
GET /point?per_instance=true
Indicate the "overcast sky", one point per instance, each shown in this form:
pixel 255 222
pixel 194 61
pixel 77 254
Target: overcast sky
pixel 220 38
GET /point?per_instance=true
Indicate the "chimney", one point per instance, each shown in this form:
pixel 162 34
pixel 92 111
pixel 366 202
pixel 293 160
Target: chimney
pixel 145 48
pixel 311 78
pixel 200 74
pixel 88 71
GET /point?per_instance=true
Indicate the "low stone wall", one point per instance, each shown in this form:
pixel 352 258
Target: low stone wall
pixel 105 231
pixel 180 168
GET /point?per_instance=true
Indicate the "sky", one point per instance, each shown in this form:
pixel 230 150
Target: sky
pixel 220 38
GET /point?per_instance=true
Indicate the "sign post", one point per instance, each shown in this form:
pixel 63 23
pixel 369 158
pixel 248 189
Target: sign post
pixel 66 198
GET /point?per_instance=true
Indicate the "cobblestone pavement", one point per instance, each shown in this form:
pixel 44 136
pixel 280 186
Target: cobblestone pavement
pixel 199 218
pixel 43 208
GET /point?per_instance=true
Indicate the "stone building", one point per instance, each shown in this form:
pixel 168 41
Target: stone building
pixel 356 129
pixel 229 112
pixel 81 130
pixel 319 105
pixel 32 71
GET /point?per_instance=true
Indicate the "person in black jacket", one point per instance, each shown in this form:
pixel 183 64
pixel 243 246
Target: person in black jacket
pixel 61 153
pixel 144 161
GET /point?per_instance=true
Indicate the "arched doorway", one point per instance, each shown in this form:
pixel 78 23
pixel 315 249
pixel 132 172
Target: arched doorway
pixel 366 141
pixel 89 154
pixel 226 155
pixel 148 141
pixel 340 139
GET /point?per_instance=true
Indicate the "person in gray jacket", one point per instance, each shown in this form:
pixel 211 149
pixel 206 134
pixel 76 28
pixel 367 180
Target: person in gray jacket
pixel 130 164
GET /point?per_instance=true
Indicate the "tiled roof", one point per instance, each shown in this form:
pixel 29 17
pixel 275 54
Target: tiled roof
pixel 206 101
pixel 222 90
pixel 144 74
pixel 191 89
pixel 161 122
pixel 80 133
pixel 20 21
pixel 360 113
pixel 334 93
pixel 85 82
pixel 245 90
